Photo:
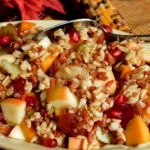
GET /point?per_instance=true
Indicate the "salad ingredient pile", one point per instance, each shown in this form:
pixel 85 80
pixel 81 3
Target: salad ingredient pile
pixel 77 90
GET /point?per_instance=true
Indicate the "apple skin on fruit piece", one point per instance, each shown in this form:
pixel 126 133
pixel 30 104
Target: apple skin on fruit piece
pixel 61 97
pixel 137 132
pixel 13 110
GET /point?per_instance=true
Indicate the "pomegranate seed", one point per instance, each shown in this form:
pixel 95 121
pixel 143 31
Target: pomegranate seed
pixel 50 142
pixel 31 100
pixel 114 112
pixel 5 40
pixel 128 114
pixel 74 35
pixel 1 117
pixel 19 84
pixel 107 28
pixel 120 100
pixel 116 53
pixel 43 112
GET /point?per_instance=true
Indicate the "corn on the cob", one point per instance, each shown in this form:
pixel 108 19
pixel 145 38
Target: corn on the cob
pixel 106 13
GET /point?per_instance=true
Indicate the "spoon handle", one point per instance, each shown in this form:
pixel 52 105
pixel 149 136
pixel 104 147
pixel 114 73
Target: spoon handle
pixel 145 37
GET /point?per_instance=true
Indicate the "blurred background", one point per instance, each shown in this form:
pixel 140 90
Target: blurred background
pixel 135 12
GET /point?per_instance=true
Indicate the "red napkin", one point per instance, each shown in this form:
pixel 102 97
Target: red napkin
pixel 30 9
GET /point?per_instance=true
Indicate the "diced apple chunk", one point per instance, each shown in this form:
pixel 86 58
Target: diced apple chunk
pixel 13 110
pixel 105 138
pixel 61 97
pixel 144 53
pixel 10 68
pixel 71 71
pixel 108 83
pixel 44 42
pixel 17 133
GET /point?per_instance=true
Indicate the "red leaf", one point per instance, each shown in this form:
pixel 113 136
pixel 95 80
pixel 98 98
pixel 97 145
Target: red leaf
pixel 30 9
pixel 8 3
pixel 55 5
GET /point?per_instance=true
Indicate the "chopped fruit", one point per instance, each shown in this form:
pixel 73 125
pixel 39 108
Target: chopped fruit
pixel 61 97
pixel 114 112
pixel 10 58
pixel 148 101
pixel 26 26
pixel 29 133
pixel 145 110
pixel 137 132
pixel 105 138
pixel 13 110
pixel 71 71
pixel 50 142
pixel 128 113
pixel 17 133
pixel 5 40
pixel 74 35
pixel 125 71
pixel 148 92
pixel 43 96
pixel 10 68
pixel 145 113
pixel 120 100
pixel 18 84
pixel 44 42
pixel 31 99
pixel 116 53
pixel 144 53
pixel 28 46
pixel 47 62
pixel 5 129
pixel 77 143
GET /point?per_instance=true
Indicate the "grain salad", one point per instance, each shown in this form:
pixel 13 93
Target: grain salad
pixel 77 90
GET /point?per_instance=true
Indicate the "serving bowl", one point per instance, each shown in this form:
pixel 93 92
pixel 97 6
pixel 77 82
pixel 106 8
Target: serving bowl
pixel 14 144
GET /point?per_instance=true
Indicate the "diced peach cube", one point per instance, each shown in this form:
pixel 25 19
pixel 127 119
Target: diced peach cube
pixel 137 132
pixel 47 63
pixel 77 143
pixel 29 133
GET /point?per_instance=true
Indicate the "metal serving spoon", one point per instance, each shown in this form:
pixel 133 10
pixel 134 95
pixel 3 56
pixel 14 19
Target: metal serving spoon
pixel 122 35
